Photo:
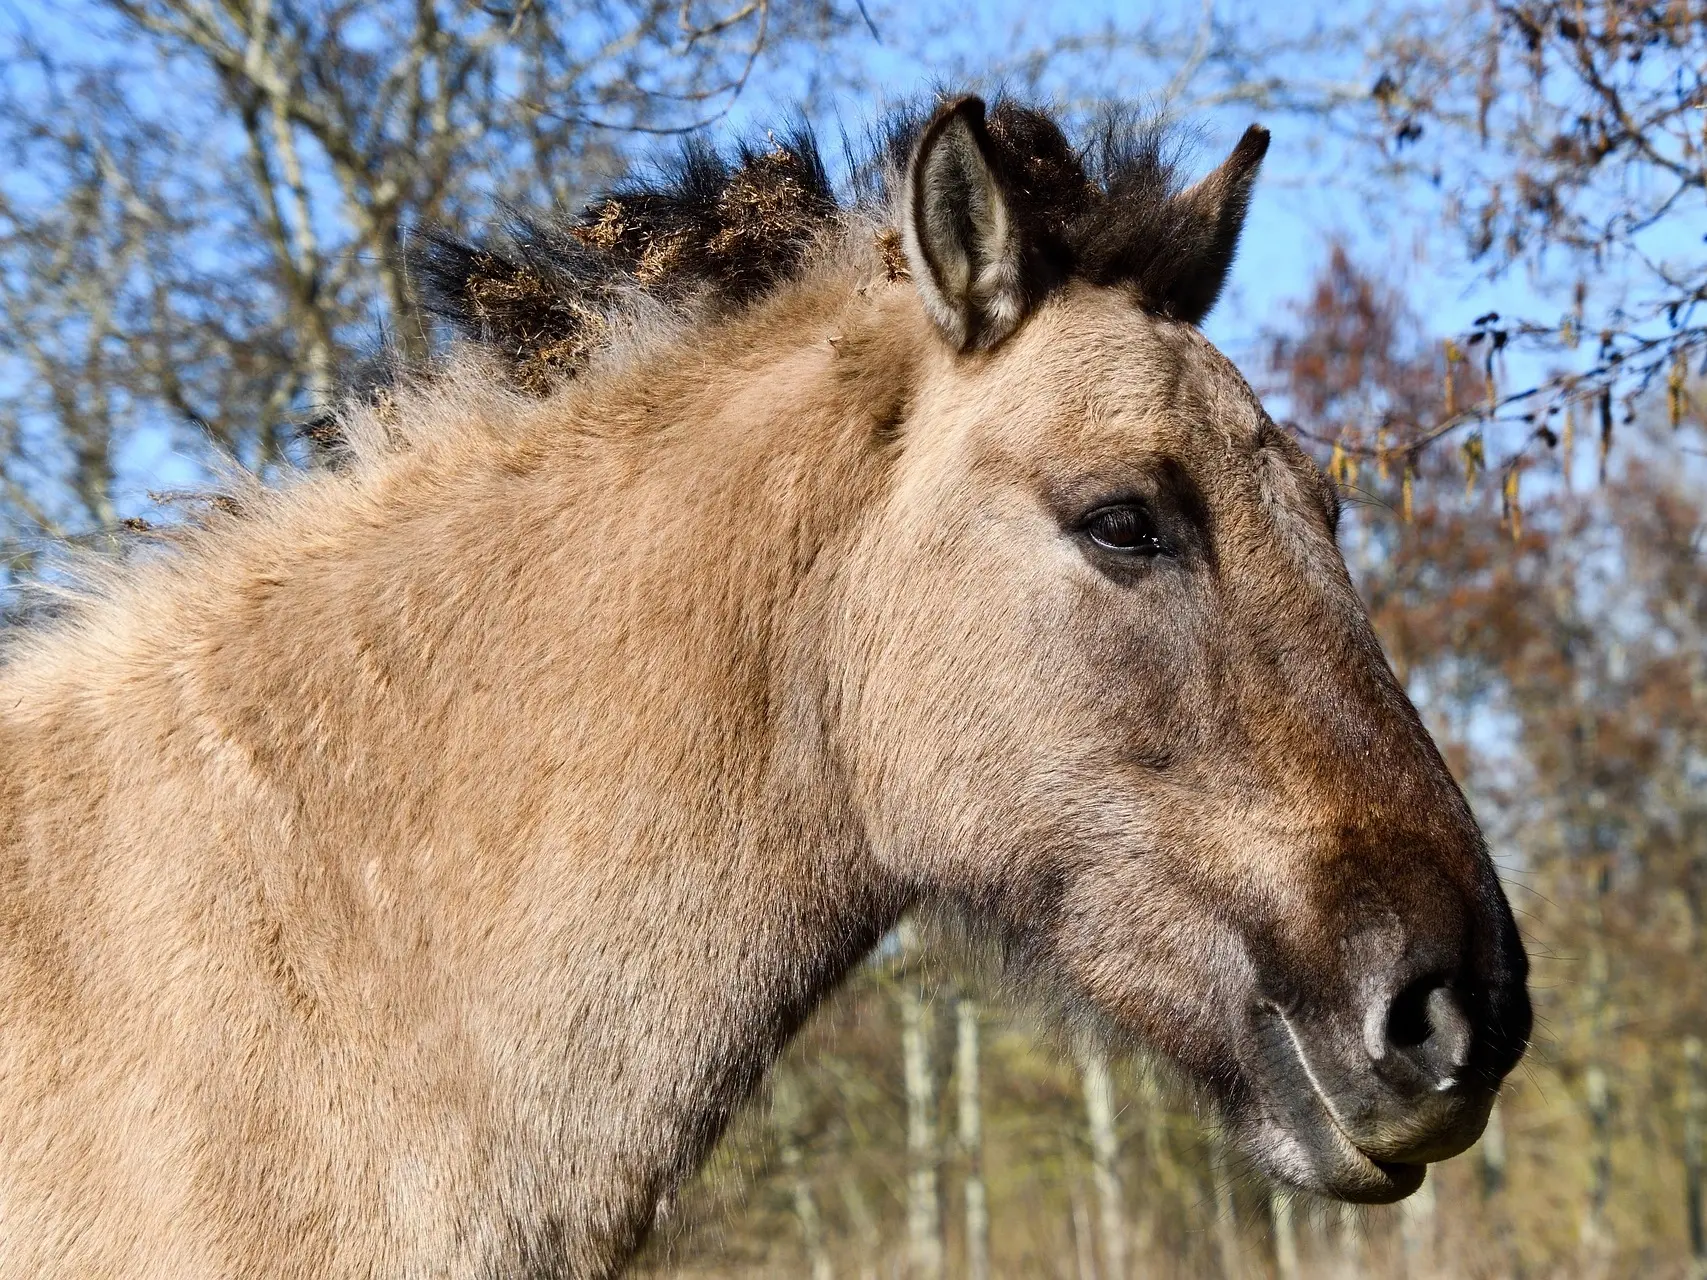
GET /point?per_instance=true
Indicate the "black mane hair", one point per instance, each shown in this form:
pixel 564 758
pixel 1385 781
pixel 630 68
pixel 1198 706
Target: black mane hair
pixel 717 231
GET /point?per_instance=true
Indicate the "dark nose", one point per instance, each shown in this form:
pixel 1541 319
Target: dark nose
pixel 1420 1040
pixel 1402 1069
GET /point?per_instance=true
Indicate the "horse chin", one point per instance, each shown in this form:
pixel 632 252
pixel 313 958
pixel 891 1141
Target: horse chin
pixel 1317 1157
pixel 1288 1128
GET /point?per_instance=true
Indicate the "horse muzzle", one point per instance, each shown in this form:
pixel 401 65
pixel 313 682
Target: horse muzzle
pixel 1356 1104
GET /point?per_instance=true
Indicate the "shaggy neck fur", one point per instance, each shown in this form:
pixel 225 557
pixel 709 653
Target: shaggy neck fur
pixel 509 760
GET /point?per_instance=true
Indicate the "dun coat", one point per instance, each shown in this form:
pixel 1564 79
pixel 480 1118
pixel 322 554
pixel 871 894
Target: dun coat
pixel 406 873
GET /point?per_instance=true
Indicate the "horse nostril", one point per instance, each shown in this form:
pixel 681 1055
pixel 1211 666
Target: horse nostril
pixel 1426 1024
pixel 1407 1019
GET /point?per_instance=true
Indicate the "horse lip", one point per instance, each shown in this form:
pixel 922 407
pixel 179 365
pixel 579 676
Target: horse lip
pixel 1438 1118
pixel 1307 1142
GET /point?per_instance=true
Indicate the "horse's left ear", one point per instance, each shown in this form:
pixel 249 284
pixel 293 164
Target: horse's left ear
pixel 963 246
pixel 1214 212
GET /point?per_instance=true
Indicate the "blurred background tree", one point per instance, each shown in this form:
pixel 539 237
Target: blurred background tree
pixel 207 205
pixel 1473 283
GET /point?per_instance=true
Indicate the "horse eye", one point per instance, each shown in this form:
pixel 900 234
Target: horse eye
pixel 1126 528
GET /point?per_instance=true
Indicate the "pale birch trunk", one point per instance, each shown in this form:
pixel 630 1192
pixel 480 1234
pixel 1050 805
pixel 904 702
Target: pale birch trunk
pixel 864 1224
pixel 1105 1158
pixel 1226 1214
pixel 1597 1243
pixel 971 1125
pixel 1417 1231
pixel 1494 1160
pixel 1349 1243
pixel 806 1210
pixel 1162 1174
pixel 924 1207
pixel 786 1111
pixel 1084 1240
pixel 1285 1236
pixel 1492 1149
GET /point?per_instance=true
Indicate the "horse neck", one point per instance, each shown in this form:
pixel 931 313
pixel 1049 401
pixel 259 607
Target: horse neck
pixel 514 751
pixel 697 880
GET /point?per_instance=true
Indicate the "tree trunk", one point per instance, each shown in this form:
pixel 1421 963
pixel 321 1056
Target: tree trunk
pixel 1084 1244
pixel 1105 1159
pixel 972 1140
pixel 924 1209
pixel 806 1210
pixel 1596 1238
pixel 864 1224
pixel 786 1113
pixel 1285 1236
pixel 1417 1230
pixel 1695 1155
pixel 1492 1149
pixel 1495 1213
pixel 1350 1243
pixel 1159 1177
pixel 1226 1213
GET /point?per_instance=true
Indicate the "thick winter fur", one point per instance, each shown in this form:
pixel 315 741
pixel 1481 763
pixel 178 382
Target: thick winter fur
pixel 407 872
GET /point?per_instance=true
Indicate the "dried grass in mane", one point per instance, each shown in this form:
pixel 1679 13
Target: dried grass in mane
pixel 711 233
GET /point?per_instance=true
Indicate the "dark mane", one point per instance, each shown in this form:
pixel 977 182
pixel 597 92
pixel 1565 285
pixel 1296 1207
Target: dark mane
pixel 715 232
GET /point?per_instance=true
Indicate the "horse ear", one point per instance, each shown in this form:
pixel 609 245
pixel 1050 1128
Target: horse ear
pixel 962 242
pixel 1215 208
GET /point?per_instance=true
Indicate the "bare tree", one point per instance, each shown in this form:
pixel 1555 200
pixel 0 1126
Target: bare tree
pixel 207 202
pixel 1565 137
pixel 1100 1113
pixel 787 1109
pixel 925 1253
pixel 1083 1235
pixel 1417 1219
pixel 1285 1234
pixel 970 1114
pixel 1228 1254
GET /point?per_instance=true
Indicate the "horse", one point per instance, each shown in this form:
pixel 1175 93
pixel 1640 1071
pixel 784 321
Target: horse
pixel 408 870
